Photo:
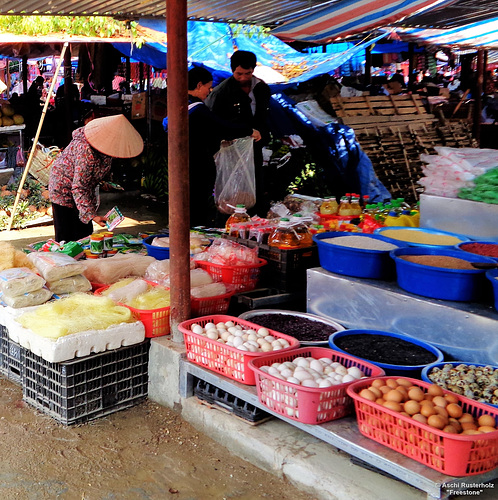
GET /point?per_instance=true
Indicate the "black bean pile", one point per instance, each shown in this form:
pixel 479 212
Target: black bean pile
pixel 302 329
pixel 383 349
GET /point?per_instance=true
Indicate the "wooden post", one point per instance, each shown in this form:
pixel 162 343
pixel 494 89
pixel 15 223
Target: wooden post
pixel 178 179
pixel 68 100
pixel 25 74
pixel 368 65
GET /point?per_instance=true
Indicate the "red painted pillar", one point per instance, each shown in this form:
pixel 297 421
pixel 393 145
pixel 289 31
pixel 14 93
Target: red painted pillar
pixel 179 215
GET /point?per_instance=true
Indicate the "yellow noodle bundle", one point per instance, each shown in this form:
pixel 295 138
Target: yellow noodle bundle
pixel 154 298
pixel 78 312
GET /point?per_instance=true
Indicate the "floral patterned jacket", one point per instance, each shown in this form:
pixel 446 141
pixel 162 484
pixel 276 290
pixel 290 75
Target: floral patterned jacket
pixel 75 175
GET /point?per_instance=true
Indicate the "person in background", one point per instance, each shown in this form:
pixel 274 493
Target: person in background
pixel 244 99
pixel 82 165
pixel 33 106
pixel 206 131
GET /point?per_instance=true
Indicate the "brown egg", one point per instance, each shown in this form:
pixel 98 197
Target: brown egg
pixel 439 401
pixel 411 407
pixel 393 405
pixel 451 398
pixel 426 402
pixel 454 410
pixel 450 429
pixel 441 412
pixel 367 394
pixel 405 414
pixel 456 424
pixel 391 383
pixel 380 401
pixel 403 391
pixel 435 390
pixel 486 428
pixel 468 425
pixel 486 421
pixel 385 389
pixel 436 421
pixel 466 417
pixel 394 395
pixel 427 410
pixel 420 418
pixel 403 382
pixel 378 383
pixel 470 432
pixel 376 391
pixel 416 394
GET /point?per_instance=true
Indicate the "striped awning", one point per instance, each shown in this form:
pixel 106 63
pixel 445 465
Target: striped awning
pixel 481 35
pixel 348 17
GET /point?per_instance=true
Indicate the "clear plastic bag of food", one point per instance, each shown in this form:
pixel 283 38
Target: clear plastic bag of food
pixel 72 284
pixel 55 266
pixel 230 253
pixel 28 299
pixel 19 280
pixel 209 290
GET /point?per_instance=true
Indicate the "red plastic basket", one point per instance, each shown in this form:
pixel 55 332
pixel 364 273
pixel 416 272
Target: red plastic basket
pixel 222 358
pixel 244 278
pixel 155 321
pixel 452 454
pixel 212 305
pixel 308 405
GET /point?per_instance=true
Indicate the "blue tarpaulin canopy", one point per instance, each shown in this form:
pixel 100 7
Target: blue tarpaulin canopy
pixel 212 44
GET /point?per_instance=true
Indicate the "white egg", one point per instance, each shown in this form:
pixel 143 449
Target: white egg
pixel 220 340
pixel 303 362
pixel 326 361
pixel 355 372
pixel 250 331
pixel 264 368
pixel 238 333
pixel 324 383
pixel 289 411
pixel 251 342
pixel 269 338
pixel 276 365
pixel 198 329
pixel 309 383
pixel 314 373
pixel 289 364
pixel 252 336
pixel 348 378
pixel 252 348
pixel 341 370
pixel 229 323
pixel 279 377
pixel 328 369
pixel 261 341
pixel 232 330
pixel 237 341
pixel 266 347
pixel 286 373
pixel 276 347
pixel 336 382
pixel 316 365
pixel 239 327
pixel 276 342
pixel 302 375
pixel 242 348
pixel 228 343
pixel 224 335
pixel 230 338
pixel 213 335
pixel 273 371
pixel 264 331
pixel 244 337
pixel 209 325
pixel 335 364
pixel 338 377
pixel 284 343
pixel 221 325
pixel 293 380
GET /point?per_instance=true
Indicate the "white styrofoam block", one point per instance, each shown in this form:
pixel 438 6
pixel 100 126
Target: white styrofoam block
pixel 76 345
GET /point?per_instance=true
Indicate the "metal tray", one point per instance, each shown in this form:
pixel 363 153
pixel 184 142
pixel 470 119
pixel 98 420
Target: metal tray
pixel 252 316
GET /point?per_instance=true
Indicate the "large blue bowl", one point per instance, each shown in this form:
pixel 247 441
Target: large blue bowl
pixel 437 282
pixel 381 231
pixel 428 369
pixel 492 276
pixel 461 246
pixel 357 262
pixel 402 370
pixel 159 253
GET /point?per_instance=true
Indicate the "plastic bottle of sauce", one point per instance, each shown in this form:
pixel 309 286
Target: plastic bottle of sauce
pixel 392 219
pixel 329 206
pixel 406 219
pixel 344 207
pixel 302 230
pixel 284 236
pixel 240 215
pixel 355 207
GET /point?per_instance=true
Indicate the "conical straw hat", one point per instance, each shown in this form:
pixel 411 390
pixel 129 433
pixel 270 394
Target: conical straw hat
pixel 114 136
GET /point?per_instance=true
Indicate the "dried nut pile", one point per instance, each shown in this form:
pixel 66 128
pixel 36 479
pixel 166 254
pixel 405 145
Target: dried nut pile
pixel 432 407
pixel 479 383
pixel 311 372
pixel 234 335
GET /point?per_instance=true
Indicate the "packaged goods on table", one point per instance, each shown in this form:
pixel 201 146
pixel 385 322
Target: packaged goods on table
pixel 21 287
pixel 75 326
pixel 55 266
pixel 72 284
pixel 29 299
pixel 440 429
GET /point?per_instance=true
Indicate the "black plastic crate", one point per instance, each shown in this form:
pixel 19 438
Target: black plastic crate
pixel 286 269
pixel 83 389
pixel 216 396
pixel 11 357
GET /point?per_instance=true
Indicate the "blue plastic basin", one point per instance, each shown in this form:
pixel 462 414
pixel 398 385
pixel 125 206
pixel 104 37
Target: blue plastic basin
pixel 358 262
pixel 159 253
pixel 402 370
pixel 437 282
pixel 381 231
pixel 492 276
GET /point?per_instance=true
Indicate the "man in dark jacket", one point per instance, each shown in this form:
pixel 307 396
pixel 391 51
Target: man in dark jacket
pixel 244 99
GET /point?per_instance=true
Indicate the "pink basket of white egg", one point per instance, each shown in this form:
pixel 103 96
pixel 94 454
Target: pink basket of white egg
pixel 226 344
pixel 309 384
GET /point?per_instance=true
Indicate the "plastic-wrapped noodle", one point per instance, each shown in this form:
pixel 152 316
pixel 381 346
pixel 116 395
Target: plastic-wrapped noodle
pixel 155 298
pixel 78 312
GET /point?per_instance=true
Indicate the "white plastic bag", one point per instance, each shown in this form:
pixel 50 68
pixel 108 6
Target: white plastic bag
pixel 235 178
pixel 19 280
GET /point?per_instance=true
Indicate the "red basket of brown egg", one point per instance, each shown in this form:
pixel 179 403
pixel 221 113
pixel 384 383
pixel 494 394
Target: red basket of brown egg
pixel 443 430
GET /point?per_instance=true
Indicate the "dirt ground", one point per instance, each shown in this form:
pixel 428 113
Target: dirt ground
pixel 145 452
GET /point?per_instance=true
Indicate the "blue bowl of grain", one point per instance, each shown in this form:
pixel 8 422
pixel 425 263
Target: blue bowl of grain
pixel 360 255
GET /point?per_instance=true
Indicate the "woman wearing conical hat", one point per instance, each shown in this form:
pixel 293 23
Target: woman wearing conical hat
pixel 79 169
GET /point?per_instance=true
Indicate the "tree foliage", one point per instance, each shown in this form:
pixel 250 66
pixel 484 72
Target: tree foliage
pixel 95 26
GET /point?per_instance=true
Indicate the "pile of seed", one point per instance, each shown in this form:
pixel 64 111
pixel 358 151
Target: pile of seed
pixel 439 261
pixel 422 237
pixel 488 249
pixel 362 242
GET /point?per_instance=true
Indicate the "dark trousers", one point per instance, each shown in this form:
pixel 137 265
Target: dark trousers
pixel 67 224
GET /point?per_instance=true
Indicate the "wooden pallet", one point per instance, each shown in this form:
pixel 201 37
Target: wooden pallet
pixel 407 104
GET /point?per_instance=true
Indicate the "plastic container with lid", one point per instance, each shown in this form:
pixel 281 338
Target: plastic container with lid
pixel 393 219
pixel 300 227
pixel 329 206
pixel 284 236
pixel 240 215
pixel 355 207
pixel 344 206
